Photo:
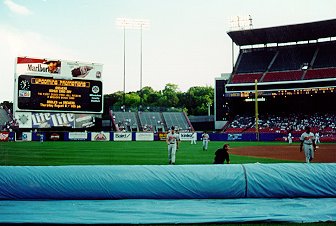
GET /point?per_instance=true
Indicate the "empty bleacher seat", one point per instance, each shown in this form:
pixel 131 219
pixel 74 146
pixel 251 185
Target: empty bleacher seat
pixel 151 121
pixel 246 78
pixel 176 119
pixel 256 60
pixel 292 58
pixel 283 76
pixel 126 121
pixel 320 73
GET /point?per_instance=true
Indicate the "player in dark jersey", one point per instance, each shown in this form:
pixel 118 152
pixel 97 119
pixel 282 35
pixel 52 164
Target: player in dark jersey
pixel 222 154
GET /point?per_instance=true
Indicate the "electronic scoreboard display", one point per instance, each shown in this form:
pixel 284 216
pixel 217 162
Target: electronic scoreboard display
pixel 40 93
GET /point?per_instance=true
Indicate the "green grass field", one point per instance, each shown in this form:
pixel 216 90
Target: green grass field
pixel 116 153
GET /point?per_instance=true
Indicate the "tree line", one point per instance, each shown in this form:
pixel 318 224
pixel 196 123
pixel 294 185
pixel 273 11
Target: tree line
pixel 194 102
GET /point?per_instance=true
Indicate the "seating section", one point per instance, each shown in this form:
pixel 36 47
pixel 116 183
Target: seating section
pixel 285 63
pixel 246 78
pixel 255 60
pixel 151 121
pixel 292 58
pixel 4 119
pixel 326 56
pixel 321 73
pixel 325 123
pixel 283 76
pixel 125 121
pixel 176 119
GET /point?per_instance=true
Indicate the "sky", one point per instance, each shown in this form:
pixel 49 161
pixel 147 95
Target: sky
pixel 186 43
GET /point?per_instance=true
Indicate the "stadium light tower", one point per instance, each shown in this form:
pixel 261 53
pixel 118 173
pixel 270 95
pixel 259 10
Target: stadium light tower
pixel 132 24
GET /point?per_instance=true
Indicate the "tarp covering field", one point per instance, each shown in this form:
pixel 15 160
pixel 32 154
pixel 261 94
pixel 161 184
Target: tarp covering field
pixel 168 194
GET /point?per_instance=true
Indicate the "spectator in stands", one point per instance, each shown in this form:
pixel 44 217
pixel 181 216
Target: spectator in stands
pixel 205 139
pixel 308 144
pixel 172 139
pixel 222 155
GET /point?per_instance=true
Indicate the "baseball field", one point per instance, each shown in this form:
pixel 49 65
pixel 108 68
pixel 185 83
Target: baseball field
pixel 151 153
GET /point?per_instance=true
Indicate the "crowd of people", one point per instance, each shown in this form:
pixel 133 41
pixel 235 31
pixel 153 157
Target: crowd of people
pixel 324 123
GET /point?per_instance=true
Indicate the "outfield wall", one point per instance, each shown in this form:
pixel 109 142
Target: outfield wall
pixel 140 136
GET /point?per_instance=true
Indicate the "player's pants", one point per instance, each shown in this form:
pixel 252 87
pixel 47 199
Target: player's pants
pixel 193 141
pixel 171 153
pixel 309 152
pixel 205 144
pixel 290 140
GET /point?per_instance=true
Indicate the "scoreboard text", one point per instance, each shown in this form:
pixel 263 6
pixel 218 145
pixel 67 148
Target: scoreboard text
pixel 37 93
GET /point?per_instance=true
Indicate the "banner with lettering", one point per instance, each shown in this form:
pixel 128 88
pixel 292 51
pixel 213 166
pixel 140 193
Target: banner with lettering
pixel 57 67
pixel 77 135
pixel 53 85
pixel 144 136
pixel 48 120
pixel 122 136
pixel 186 136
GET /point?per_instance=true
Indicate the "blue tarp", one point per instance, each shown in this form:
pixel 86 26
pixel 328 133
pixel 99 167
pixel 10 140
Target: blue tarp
pixel 168 182
pixel 286 192
pixel 168 211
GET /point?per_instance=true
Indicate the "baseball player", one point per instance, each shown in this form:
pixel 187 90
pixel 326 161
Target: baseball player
pixel 205 138
pixel 290 138
pixel 172 139
pixel 308 144
pixel 317 138
pixel 193 137
pixel 41 138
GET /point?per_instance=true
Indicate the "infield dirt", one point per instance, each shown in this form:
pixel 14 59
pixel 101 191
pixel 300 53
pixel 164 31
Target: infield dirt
pixel 326 153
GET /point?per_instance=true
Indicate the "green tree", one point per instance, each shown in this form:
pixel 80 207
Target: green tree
pixel 198 98
pixel 169 96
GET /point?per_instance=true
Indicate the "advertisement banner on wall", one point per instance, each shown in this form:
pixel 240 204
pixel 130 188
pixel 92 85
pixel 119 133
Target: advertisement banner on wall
pixel 4 136
pixel 102 136
pixel 77 136
pixel 48 120
pixel 55 136
pixel 186 136
pixel 162 136
pixel 122 136
pixel 235 136
pixel 26 136
pixel 144 136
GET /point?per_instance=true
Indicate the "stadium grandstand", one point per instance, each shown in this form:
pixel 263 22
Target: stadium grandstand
pixel 7 122
pixel 294 70
pixel 147 121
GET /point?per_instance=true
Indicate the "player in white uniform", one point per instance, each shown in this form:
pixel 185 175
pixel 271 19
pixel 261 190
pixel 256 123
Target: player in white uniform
pixel 172 139
pixel 193 137
pixel 205 138
pixel 41 138
pixel 317 138
pixel 290 138
pixel 308 144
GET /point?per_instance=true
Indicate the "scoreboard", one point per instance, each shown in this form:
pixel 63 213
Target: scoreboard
pixel 38 93
pixel 51 86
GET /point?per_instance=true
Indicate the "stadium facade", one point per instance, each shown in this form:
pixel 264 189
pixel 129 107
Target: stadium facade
pixel 293 68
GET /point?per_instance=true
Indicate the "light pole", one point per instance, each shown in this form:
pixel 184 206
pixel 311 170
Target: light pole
pixel 126 23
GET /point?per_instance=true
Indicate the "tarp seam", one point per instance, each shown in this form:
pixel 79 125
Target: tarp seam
pixel 245 176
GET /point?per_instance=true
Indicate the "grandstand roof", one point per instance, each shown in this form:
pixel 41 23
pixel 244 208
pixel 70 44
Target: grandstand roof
pixel 285 34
